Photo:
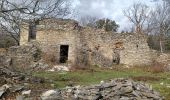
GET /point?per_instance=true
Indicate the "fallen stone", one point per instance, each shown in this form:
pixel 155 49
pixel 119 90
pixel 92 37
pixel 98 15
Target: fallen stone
pixel 3 89
pixel 59 68
pixel 168 86
pixel 118 89
pixel 28 92
pixel 19 97
pixel 127 89
pixel 124 98
pixel 1 92
pixel 51 95
pixel 16 88
pixel 40 65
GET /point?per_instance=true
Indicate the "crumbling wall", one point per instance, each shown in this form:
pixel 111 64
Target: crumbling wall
pixel 23 56
pixel 51 34
pixel 3 58
pixel 91 46
pixel 98 43
pixel 107 48
pixel 136 50
pixel 24 34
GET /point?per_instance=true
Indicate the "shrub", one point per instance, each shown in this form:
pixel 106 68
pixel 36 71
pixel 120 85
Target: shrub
pixel 37 55
pixel 49 58
pixel 6 41
pixel 156 67
pixel 79 67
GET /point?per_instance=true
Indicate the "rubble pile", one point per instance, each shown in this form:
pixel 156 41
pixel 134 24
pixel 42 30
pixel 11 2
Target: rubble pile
pixel 118 89
pixel 13 84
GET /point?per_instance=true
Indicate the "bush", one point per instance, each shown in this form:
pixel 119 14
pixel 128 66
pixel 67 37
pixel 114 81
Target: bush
pixel 37 55
pixel 156 67
pixel 49 58
pixel 6 41
pixel 167 43
pixel 78 67
pixel 153 42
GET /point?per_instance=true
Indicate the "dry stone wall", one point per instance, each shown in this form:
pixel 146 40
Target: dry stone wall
pixel 136 51
pixel 24 36
pixel 91 46
pixel 51 36
pixel 3 58
pixel 107 48
pixel 23 56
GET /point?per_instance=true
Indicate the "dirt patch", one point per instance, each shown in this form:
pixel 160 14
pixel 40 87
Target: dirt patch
pixel 146 78
pixel 2 50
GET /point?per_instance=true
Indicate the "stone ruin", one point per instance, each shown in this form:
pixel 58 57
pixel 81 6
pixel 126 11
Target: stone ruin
pixel 73 44
pixel 77 45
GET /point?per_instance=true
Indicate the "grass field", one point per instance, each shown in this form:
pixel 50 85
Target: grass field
pixel 160 81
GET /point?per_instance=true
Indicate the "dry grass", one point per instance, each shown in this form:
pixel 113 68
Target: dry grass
pixel 146 78
pixel 156 68
pixel 78 67
pixel 3 50
pixel 49 58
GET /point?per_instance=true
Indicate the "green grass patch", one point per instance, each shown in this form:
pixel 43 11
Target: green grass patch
pixel 87 77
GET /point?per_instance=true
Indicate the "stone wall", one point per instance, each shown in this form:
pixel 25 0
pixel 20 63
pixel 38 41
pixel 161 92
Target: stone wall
pixel 108 48
pixel 51 34
pixel 97 45
pixel 89 46
pixel 3 59
pixel 24 36
pixel 23 56
pixel 136 51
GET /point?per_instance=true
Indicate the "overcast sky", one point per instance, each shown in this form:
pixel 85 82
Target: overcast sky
pixel 108 9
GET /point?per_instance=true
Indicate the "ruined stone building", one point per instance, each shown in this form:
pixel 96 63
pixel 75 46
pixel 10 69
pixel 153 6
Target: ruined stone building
pixel 84 45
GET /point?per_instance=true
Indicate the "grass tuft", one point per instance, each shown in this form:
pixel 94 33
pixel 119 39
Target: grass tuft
pixel 153 77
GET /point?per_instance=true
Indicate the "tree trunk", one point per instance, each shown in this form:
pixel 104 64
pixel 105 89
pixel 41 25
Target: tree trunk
pixel 161 47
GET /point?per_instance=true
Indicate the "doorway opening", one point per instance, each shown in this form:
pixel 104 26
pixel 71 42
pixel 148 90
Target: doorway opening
pixel 32 31
pixel 116 58
pixel 64 53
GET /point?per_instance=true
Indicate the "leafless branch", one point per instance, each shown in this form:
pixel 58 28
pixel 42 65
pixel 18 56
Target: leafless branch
pixel 12 13
pixel 137 14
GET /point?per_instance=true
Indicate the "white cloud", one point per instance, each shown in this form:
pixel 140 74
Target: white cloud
pixel 108 8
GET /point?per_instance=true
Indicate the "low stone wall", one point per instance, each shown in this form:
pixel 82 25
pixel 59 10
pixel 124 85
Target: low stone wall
pixel 3 58
pixel 118 89
pixel 23 56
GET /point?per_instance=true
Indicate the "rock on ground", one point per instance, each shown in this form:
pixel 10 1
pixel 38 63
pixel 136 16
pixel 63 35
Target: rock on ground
pixel 60 68
pixel 117 89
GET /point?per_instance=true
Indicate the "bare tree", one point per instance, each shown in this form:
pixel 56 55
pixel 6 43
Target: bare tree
pixel 88 20
pixel 137 14
pixel 13 12
pixel 161 22
pixel 167 1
